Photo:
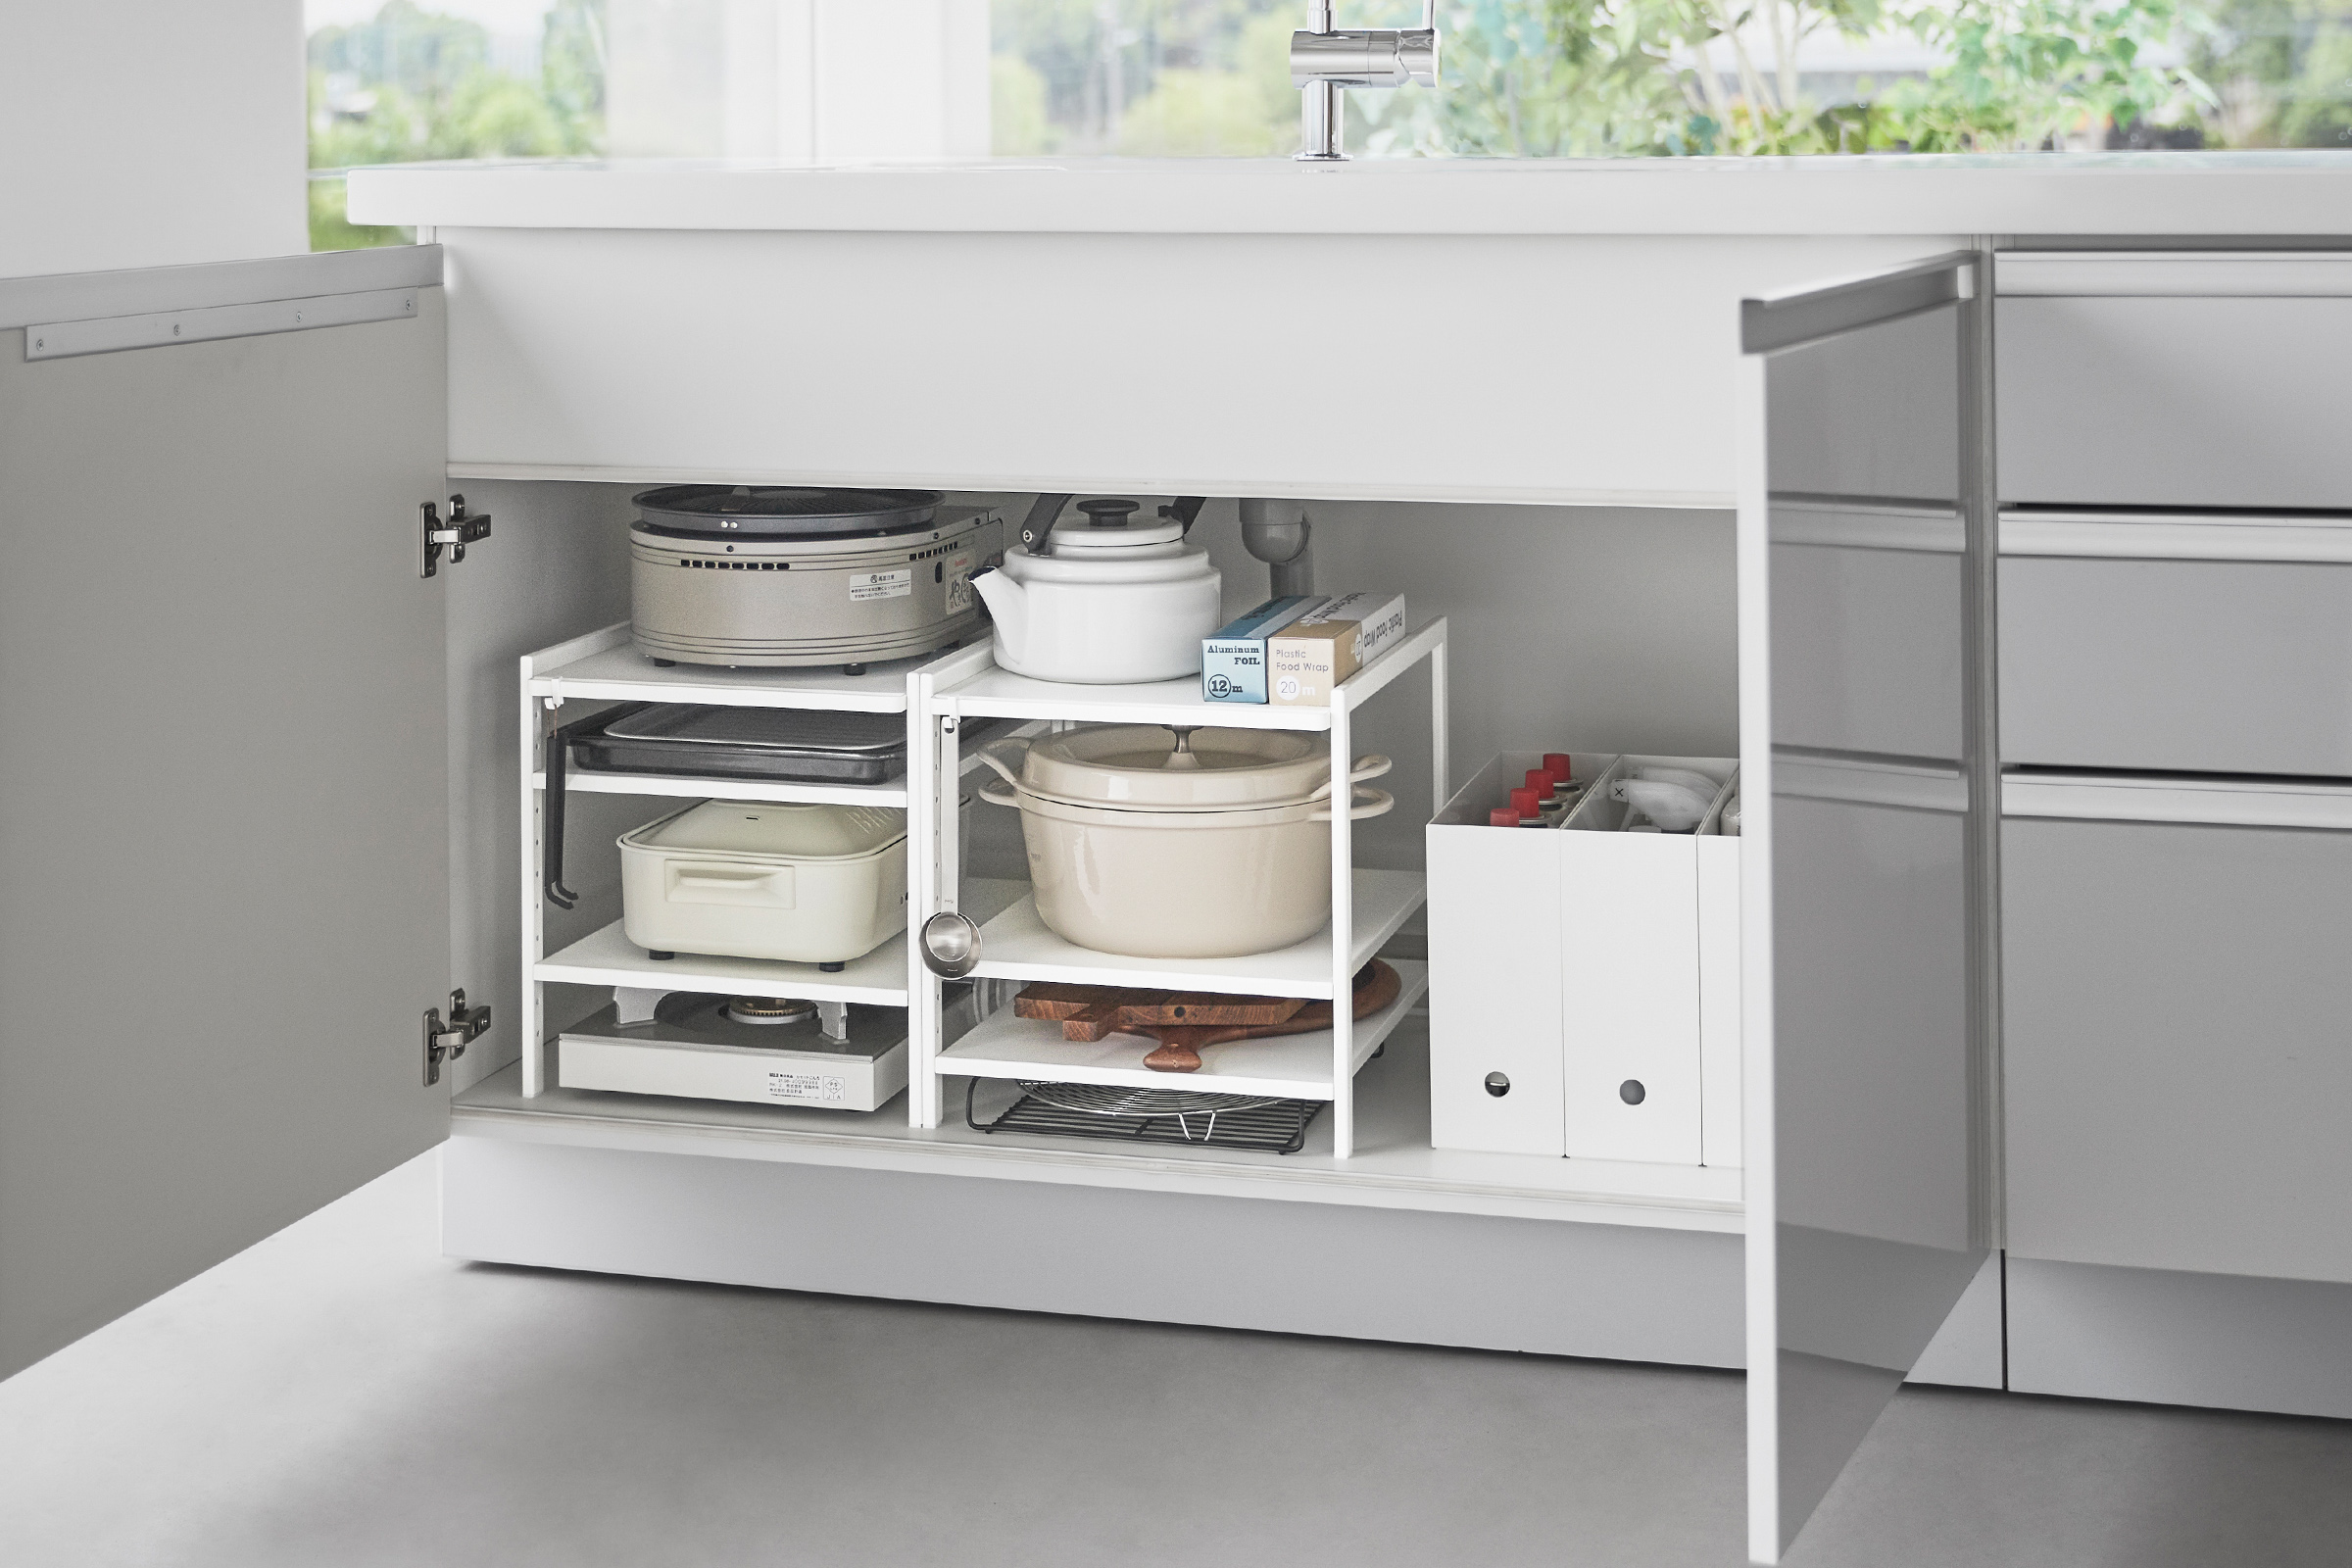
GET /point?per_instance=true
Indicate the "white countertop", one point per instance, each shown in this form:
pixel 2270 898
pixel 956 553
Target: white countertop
pixel 2250 193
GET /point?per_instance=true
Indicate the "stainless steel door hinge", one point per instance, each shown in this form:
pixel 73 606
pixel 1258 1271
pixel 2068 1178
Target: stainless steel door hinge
pixel 449 1039
pixel 460 531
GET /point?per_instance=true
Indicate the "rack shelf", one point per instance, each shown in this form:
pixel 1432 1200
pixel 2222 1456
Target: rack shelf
pixel 1392 1165
pixel 1000 693
pixel 607 958
pixel 727 789
pixel 605 666
pixel 1292 1067
pixel 1016 946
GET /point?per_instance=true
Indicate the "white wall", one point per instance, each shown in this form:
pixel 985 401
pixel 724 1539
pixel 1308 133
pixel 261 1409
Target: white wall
pixel 149 133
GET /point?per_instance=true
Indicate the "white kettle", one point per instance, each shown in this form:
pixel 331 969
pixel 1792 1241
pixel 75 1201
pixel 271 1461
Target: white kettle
pixel 1108 603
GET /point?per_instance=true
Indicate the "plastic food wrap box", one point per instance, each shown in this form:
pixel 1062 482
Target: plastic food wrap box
pixel 1584 981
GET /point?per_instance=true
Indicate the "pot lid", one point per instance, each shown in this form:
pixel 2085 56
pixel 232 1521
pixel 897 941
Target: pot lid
pixel 1156 767
pixel 774 830
pixel 770 510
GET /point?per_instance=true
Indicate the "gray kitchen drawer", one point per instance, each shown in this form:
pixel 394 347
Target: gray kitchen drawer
pixel 1866 609
pixel 2178 1025
pixel 2213 644
pixel 2227 393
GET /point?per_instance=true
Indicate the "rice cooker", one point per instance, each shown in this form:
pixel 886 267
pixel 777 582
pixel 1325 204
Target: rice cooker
pixel 783 575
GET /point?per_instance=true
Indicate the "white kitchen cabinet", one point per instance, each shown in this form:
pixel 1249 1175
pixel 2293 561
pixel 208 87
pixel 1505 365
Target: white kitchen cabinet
pixel 2174 723
pixel 229 998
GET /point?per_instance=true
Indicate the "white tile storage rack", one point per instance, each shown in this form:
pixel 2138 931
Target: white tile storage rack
pixel 1389 1163
pixel 1368 907
pixel 603 666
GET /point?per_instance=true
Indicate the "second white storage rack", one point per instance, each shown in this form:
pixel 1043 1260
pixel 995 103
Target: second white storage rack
pixel 1368 907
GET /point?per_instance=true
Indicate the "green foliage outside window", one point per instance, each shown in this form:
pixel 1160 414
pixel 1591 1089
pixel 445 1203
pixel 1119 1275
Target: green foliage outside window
pixel 414 84
pixel 1546 78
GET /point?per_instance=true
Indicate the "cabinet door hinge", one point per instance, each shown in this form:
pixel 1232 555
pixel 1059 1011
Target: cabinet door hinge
pixel 449 1039
pixel 461 529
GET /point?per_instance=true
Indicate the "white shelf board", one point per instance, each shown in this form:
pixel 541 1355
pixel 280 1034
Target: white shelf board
pixel 1001 694
pixel 727 789
pixel 998 693
pixel 623 673
pixel 1016 946
pixel 607 958
pixel 1292 1067
pixel 1393 1166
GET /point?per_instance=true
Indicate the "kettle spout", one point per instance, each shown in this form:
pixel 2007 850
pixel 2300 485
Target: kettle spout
pixel 1009 605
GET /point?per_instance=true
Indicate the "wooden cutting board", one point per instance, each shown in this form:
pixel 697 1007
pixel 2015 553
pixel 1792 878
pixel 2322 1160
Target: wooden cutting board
pixel 1183 1022
pixel 1090 1012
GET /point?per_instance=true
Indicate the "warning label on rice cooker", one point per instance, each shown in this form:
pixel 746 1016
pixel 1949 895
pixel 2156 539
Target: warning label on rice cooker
pixel 960 583
pixel 894 584
pixel 803 1086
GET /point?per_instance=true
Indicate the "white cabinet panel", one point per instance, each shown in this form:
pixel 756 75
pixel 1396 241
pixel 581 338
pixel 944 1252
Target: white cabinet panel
pixel 224 820
pixel 2168 1338
pixel 972 361
pixel 1864 743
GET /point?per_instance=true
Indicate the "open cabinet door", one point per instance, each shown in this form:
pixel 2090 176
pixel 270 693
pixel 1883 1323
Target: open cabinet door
pixel 1866 757
pixel 223 825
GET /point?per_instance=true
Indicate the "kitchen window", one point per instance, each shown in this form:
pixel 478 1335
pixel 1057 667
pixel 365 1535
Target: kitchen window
pixel 403 80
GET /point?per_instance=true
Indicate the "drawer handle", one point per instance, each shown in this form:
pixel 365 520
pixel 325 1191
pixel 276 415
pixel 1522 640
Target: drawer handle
pixel 1497 1085
pixel 1632 1091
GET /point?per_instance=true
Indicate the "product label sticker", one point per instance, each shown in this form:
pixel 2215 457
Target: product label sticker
pixel 897 584
pixel 804 1086
pixel 960 583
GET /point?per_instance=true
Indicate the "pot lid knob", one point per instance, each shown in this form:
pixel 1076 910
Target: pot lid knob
pixel 1182 756
pixel 1107 513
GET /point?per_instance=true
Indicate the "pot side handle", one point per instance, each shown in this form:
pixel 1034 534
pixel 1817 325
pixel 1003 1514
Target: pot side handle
pixel 988 754
pixel 996 796
pixel 1364 804
pixel 1369 766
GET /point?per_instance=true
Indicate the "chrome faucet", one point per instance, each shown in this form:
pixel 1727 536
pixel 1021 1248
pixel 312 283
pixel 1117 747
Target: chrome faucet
pixel 1324 60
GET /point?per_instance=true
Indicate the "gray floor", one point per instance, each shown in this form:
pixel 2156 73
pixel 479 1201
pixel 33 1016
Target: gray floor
pixel 341 1395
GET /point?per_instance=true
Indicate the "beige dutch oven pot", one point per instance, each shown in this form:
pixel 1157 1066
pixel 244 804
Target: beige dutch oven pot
pixel 1161 843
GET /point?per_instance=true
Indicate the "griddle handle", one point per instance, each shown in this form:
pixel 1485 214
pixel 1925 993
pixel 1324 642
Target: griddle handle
pixel 559 742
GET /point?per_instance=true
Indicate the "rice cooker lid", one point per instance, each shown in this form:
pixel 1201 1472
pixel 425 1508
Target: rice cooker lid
pixel 782 510
pixel 1160 768
pixel 774 830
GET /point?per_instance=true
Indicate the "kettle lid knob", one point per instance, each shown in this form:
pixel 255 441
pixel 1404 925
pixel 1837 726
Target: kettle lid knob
pixel 1107 513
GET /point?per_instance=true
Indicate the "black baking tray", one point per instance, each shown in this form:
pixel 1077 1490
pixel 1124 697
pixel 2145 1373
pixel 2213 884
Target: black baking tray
pixel 790 745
